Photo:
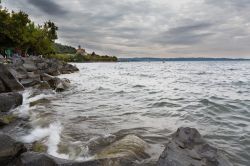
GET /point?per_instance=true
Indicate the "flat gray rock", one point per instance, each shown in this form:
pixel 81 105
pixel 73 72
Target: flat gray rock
pixel 188 148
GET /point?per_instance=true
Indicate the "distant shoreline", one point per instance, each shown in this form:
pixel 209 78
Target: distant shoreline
pixel 177 59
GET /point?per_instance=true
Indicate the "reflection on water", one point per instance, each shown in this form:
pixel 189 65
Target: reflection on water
pixel 150 100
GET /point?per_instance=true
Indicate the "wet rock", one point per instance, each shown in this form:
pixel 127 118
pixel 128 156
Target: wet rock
pixel 68 68
pixel 52 71
pixel 43 85
pixel 19 72
pixel 10 101
pixel 129 148
pixel 121 153
pixel 39 147
pixel 29 82
pixel 40 101
pixel 8 82
pixel 41 159
pixel 29 71
pixel 32 80
pixel 2 87
pixel 56 83
pixel 46 77
pixel 9 149
pixel 6 119
pixel 187 148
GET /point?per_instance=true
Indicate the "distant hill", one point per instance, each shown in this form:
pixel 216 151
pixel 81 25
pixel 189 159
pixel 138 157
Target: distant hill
pixel 64 49
pixel 177 59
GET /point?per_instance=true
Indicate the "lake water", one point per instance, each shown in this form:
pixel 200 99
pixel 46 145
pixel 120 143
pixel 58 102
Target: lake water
pixel 149 99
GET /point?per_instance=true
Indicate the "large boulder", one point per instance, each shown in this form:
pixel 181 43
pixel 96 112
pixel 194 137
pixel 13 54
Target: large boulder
pixel 42 159
pixel 130 147
pixel 9 101
pixel 8 82
pixel 68 68
pixel 187 148
pixel 19 72
pixel 32 80
pixel 9 149
pixel 123 152
pixel 30 65
pixel 56 83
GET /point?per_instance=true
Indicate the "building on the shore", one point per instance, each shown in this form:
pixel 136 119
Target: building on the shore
pixel 81 51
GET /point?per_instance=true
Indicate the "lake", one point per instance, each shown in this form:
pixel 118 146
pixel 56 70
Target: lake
pixel 150 99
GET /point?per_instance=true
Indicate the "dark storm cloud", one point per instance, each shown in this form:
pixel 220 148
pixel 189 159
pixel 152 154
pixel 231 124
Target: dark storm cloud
pixel 189 28
pixel 48 6
pixel 184 35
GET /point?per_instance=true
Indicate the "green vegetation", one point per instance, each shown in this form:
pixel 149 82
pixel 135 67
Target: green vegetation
pixel 62 57
pixel 83 58
pixel 18 32
pixel 94 58
pixel 64 49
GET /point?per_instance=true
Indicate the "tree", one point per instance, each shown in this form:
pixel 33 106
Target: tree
pixel 51 30
pixel 18 31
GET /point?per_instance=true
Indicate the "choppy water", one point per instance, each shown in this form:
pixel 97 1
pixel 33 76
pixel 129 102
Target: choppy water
pixel 149 99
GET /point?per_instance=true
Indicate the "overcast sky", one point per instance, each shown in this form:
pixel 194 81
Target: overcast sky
pixel 148 28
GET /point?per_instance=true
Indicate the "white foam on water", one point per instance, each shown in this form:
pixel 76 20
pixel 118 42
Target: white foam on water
pixel 36 135
pixel 23 110
pixel 38 97
pixel 52 136
pixel 54 139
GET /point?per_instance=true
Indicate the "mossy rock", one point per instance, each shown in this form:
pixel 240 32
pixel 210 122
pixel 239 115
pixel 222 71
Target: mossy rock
pixel 39 147
pixel 130 147
pixel 7 119
pixel 40 101
pixel 43 85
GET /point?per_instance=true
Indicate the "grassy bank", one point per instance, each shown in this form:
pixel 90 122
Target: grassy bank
pixel 81 58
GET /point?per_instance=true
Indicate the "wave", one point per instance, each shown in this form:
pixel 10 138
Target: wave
pixel 164 104
pixel 52 136
pixel 139 86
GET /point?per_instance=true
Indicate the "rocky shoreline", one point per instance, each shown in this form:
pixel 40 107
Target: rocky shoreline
pixel 185 148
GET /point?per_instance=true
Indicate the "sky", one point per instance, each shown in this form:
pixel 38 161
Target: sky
pixel 147 28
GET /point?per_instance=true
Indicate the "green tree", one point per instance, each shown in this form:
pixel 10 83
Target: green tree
pixel 18 31
pixel 51 30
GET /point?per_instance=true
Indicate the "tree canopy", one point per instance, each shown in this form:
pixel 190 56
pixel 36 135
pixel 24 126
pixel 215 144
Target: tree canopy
pixel 18 31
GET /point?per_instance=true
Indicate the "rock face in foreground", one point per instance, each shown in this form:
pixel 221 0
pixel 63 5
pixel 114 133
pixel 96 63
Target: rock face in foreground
pixel 9 101
pixel 8 82
pixel 188 148
pixel 121 153
pixel 42 159
pixel 9 149
pixel 130 147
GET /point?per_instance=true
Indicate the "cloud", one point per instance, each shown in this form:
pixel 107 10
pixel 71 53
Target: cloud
pixel 184 35
pixel 48 6
pixel 148 27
